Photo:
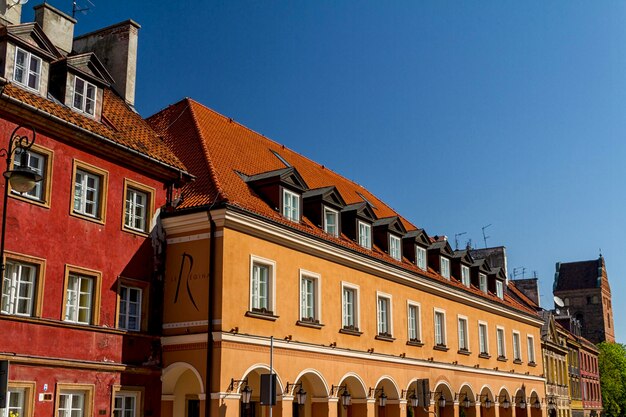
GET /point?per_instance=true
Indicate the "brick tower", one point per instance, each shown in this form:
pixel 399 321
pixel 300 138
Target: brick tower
pixel 584 288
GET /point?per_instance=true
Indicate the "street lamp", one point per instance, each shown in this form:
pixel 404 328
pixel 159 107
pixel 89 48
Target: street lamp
pixel 442 401
pixel 21 178
pixel 301 396
pixel 467 402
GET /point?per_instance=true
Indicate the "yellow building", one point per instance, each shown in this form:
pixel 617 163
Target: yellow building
pixel 270 249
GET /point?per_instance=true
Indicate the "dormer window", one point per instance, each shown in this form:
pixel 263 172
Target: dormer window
pixel 482 282
pixel 84 96
pixel 465 275
pixel 394 247
pixel 500 289
pixel 331 222
pixel 420 256
pixel 365 235
pixel 445 267
pixel 27 69
pixel 291 206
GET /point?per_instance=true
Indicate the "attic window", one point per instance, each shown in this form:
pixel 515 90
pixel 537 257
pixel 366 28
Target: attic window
pixel 291 206
pixel 27 69
pixel 465 275
pixel 365 235
pixel 421 257
pixel 445 267
pixel 394 247
pixel 84 96
pixel 331 219
pixel 482 282
pixel 283 160
pixel 500 289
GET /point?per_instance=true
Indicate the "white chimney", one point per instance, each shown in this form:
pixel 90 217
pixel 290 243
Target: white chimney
pixel 11 12
pixel 58 26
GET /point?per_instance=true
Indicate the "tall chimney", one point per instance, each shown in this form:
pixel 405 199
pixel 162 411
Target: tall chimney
pixel 116 47
pixel 10 13
pixel 58 26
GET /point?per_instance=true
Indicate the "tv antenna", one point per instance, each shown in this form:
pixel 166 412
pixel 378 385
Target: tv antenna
pixel 456 239
pixel 77 8
pixel 484 236
pixel 519 271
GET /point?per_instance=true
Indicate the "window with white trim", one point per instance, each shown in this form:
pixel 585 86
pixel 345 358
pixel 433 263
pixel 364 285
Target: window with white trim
pixel 125 404
pixel 309 297
pixel 414 321
pixel 465 275
pixel 262 286
pixel 291 206
pixel 84 96
pixel 136 211
pixel 331 221
pixel 500 289
pixel 15 403
pixel 483 339
pixel 445 267
pixel 482 282
pixel 19 288
pixel 350 307
pixel 531 349
pixel 27 71
pixel 37 163
pixel 440 328
pixel 394 247
pixel 384 315
pixel 501 343
pixel 421 257
pixel 463 335
pixel 365 235
pixel 517 348
pixel 87 193
pixel 130 308
pixel 71 404
pixel 79 301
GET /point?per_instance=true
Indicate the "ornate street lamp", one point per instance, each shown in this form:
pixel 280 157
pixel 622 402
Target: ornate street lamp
pixel 301 396
pixel 442 401
pixel 345 398
pixel 487 403
pixel 506 403
pixel 522 403
pixel 467 402
pixel 414 400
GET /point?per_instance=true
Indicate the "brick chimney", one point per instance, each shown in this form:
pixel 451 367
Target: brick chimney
pixel 530 288
pixel 116 47
pixel 10 13
pixel 58 26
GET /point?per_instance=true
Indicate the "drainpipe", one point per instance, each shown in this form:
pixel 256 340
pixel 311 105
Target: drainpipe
pixel 211 297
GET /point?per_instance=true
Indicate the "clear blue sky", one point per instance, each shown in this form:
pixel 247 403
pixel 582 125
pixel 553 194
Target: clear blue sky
pixel 458 114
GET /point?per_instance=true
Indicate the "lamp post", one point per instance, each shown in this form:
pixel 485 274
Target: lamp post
pixel 21 178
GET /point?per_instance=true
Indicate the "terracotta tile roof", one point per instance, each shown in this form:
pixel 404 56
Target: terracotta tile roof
pixel 578 275
pixel 120 123
pixel 217 150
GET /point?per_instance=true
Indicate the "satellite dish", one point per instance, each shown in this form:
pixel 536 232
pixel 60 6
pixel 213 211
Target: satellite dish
pixel 16 2
pixel 558 302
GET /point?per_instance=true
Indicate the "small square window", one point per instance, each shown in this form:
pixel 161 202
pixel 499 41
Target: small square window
pixel 465 275
pixel 331 222
pixel 89 192
pixel 309 297
pixel 139 201
pixel 421 258
pixel 27 71
pixel 262 286
pixel 84 96
pixel 445 267
pixel 291 206
pixel 365 235
pixel 395 247
pixel 350 307
pixel 82 296
pixel 384 316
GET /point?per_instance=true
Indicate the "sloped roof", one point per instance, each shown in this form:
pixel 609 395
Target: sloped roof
pixel 121 124
pixel 578 275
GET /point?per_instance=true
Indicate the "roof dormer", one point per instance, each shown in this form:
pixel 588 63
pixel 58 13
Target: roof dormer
pixel 461 266
pixel 357 220
pixel 496 281
pixel 439 255
pixel 414 246
pixel 480 271
pixel 282 189
pixel 322 207
pixel 388 233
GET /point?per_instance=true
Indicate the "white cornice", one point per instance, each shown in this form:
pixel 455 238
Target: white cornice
pixel 186 223
pixel 185 339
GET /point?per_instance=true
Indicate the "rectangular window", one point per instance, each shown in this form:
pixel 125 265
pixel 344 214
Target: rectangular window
pixel 15 403
pixel 445 267
pixel 350 308
pixel 27 70
pixel 394 248
pixel 463 337
pixel 531 349
pixel 501 343
pixel 262 285
pixel 365 235
pixel 71 404
pixel 440 328
pixel 483 341
pixel 500 289
pixel 414 323
pixel 331 222
pixel 89 193
pixel 79 299
pixel 384 316
pixel 130 308
pixel 19 288
pixel 465 275
pixel 36 162
pixel 291 206
pixel 309 297
pixel 421 257
pixel 84 96
pixel 136 209
pixel 125 404
pixel 517 349
pixel 482 282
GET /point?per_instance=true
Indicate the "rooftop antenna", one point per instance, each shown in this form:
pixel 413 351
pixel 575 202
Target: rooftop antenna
pixel 82 9
pixel 484 236
pixel 519 271
pixel 456 239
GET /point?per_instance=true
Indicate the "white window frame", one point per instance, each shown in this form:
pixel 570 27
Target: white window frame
pixel 37 193
pixel 271 284
pixel 387 320
pixel 291 205
pixel 124 314
pixel 84 98
pixel 327 227
pixel 395 247
pixel 74 294
pixel 69 410
pixel 484 350
pixel 445 267
pixel 501 341
pixel 517 346
pixel 123 411
pixel 132 206
pixel 27 70
pixel 465 275
pixel 356 307
pixel 420 258
pixel 530 340
pixel 418 321
pixel 441 326
pixel 500 289
pixel 316 295
pixel 365 240
pixel 19 408
pixel 80 193
pixel 482 282
pixel 14 283
pixel 463 322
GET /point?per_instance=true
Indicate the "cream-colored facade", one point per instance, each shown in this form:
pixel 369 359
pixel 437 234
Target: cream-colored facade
pixel 215 256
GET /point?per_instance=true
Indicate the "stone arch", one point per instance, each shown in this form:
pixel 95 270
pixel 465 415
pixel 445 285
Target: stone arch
pixel 358 392
pixel 443 389
pixel 254 370
pixel 355 385
pixel 389 385
pixel 467 399
pixel 487 400
pixel 503 397
pixel 181 382
pixel 173 372
pixel 318 382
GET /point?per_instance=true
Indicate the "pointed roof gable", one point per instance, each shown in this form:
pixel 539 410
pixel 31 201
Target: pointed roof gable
pixel 288 176
pixel 329 195
pixel 420 236
pixel 464 256
pixel 363 209
pixel 393 224
pixel 89 65
pixel 443 246
pixel 30 35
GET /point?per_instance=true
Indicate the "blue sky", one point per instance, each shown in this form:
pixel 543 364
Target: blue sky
pixel 458 114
